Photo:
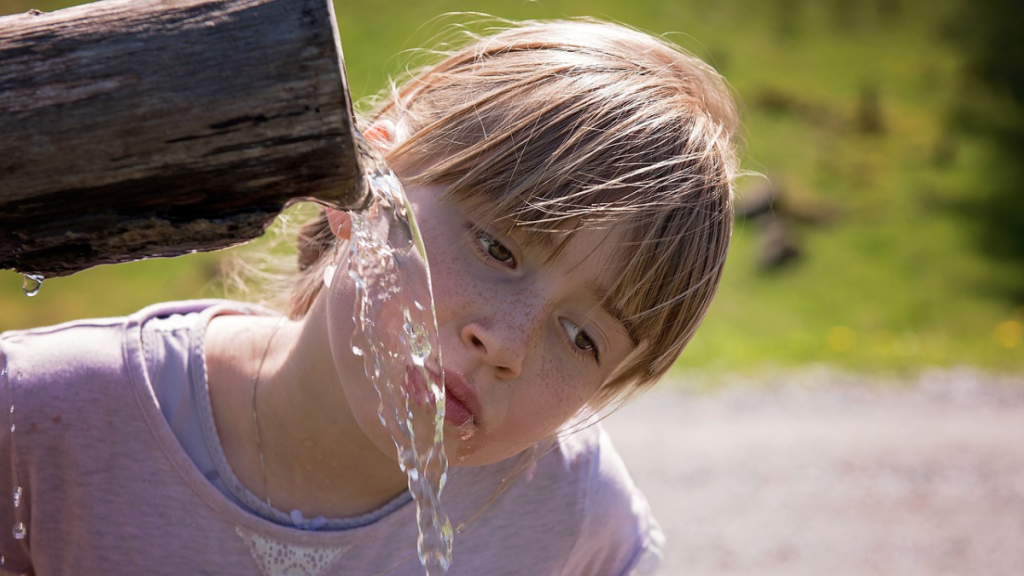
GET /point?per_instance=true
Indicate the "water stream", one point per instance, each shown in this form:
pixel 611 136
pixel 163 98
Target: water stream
pixel 396 335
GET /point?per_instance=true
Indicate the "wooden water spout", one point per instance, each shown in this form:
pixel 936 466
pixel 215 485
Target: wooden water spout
pixel 139 128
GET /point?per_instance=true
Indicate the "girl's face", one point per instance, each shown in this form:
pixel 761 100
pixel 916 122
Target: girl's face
pixel 525 341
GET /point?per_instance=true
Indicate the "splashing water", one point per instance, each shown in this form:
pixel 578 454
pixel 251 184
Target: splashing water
pixel 396 334
pixel 31 284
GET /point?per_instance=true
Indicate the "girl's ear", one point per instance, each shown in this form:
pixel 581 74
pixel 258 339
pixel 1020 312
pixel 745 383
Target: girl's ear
pixel 340 223
pixel 380 134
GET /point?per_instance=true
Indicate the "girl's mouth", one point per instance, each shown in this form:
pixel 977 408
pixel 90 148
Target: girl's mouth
pixel 455 412
pixel 461 404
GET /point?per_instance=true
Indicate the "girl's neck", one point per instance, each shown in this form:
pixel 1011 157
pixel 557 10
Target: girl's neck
pixel 316 459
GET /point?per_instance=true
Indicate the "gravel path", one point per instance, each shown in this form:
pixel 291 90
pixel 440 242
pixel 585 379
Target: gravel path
pixel 825 474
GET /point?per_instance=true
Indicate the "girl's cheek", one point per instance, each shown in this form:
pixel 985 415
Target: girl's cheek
pixel 451 286
pixel 561 393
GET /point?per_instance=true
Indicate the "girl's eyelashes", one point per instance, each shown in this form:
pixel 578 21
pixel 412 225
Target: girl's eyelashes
pixel 582 343
pixel 494 249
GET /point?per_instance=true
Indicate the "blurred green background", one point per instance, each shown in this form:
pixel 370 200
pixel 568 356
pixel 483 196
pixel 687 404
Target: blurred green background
pixel 892 132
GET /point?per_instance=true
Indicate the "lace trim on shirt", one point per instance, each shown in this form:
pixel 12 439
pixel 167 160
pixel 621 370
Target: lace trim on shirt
pixel 280 559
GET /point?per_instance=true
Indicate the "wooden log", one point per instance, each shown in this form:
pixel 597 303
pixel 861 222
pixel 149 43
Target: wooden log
pixel 139 128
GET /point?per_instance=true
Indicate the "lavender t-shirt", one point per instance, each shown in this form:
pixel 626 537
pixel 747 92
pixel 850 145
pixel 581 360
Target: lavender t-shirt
pixel 173 346
pixel 107 487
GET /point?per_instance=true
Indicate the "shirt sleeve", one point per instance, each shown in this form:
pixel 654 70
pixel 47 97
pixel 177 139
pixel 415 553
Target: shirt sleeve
pixel 619 536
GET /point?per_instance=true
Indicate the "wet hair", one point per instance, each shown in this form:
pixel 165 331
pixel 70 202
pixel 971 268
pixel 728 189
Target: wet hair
pixel 556 126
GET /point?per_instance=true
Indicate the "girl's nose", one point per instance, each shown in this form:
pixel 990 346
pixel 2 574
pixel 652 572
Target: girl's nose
pixel 497 345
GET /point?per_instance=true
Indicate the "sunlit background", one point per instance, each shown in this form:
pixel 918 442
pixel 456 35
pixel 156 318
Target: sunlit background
pixel 891 134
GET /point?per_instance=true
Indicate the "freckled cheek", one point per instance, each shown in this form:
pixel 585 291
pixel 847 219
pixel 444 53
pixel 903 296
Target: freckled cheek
pixel 453 290
pixel 559 394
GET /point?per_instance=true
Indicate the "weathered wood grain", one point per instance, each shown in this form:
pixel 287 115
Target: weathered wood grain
pixel 138 128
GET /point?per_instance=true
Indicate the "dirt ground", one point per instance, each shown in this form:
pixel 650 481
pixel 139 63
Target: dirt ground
pixel 826 474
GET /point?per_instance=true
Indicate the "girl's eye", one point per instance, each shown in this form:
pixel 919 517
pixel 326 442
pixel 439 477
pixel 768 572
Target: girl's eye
pixel 495 249
pixel 581 341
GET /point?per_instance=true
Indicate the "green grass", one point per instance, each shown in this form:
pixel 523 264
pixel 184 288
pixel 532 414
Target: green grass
pixel 894 282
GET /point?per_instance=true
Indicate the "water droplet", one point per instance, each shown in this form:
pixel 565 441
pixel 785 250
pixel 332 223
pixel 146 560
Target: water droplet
pixel 31 283
pixel 19 531
pixel 12 428
pixel 17 496
pixel 419 343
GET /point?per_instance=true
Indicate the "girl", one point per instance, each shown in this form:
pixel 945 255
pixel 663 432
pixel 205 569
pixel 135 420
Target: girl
pixel 571 181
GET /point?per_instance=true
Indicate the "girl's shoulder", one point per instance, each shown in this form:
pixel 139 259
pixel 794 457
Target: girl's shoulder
pixel 77 340
pixel 570 508
pixel 62 351
pixel 586 461
pixel 67 362
pixel 618 533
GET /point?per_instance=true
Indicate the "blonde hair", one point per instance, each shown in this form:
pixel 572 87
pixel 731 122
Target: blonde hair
pixel 561 125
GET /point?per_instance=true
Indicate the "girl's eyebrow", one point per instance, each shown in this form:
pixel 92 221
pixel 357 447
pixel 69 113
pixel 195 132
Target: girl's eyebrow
pixel 600 293
pixel 551 247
